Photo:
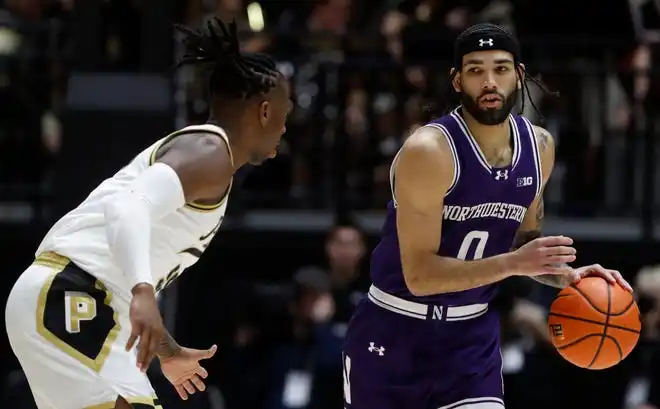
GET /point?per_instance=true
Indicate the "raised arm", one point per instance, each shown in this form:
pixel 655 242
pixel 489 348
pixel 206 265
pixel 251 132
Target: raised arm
pixel 423 173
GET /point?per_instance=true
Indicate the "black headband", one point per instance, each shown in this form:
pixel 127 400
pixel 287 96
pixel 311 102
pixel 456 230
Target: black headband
pixel 485 40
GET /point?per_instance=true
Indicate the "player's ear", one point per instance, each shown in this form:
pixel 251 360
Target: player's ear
pixel 521 75
pixel 455 79
pixel 264 112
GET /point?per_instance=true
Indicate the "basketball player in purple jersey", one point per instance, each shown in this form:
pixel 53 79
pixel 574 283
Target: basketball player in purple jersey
pixel 466 213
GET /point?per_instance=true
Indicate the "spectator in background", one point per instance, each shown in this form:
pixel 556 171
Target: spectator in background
pixel 28 43
pixel 121 26
pixel 305 369
pixel 330 16
pixel 388 140
pixel 576 50
pixel 524 338
pixel 415 27
pixel 647 383
pixel 258 318
pixel 345 250
pixel 251 26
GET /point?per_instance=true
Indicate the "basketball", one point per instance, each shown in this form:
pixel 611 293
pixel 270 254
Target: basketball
pixel 594 324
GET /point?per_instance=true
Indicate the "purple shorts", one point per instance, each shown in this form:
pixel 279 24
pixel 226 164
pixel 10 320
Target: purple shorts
pixel 397 361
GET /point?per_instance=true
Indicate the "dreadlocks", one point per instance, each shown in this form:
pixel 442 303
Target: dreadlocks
pixel 233 75
pixel 480 37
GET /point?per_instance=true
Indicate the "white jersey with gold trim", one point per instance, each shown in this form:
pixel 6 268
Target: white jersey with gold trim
pixel 177 240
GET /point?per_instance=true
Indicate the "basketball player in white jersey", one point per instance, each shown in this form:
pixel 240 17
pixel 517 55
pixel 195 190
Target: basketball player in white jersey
pixel 83 318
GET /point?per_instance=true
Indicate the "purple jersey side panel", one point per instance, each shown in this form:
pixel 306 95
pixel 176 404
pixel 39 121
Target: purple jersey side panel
pixel 482 211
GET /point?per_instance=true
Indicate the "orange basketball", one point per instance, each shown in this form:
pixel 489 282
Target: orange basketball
pixel 594 324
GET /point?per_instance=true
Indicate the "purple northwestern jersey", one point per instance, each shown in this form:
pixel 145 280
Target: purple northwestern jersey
pixel 483 209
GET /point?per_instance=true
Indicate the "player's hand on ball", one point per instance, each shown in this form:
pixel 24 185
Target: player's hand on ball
pixel 611 276
pixel 184 371
pixel 539 255
pixel 146 325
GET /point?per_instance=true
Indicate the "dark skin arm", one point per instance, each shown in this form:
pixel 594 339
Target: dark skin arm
pixel 203 163
pixel 167 347
pixel 205 169
pixel 204 166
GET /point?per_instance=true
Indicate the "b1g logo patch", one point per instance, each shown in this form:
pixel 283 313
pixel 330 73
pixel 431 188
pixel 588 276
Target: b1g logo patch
pixel 557 330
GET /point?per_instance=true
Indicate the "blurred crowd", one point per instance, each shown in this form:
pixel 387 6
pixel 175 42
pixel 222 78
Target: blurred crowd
pixel 32 86
pixel 363 73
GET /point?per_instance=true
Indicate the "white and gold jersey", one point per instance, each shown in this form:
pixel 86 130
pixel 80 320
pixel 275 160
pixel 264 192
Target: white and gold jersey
pixel 177 240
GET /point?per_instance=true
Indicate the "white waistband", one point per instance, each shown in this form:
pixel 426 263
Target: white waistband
pixel 421 311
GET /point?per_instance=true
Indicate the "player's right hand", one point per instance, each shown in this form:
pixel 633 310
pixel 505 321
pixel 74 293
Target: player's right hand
pixel 544 255
pixel 146 325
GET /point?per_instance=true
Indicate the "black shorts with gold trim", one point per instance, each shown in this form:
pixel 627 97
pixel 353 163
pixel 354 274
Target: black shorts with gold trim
pixel 74 312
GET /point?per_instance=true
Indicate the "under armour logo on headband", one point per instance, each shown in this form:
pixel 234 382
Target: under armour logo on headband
pixel 483 42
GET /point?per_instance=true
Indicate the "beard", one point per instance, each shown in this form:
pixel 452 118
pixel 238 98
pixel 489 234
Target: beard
pixel 489 116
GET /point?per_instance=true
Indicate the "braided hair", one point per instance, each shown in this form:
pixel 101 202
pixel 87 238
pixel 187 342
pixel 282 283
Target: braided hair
pixel 487 36
pixel 234 74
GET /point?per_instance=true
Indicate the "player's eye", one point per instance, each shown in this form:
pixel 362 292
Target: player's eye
pixel 502 68
pixel 474 70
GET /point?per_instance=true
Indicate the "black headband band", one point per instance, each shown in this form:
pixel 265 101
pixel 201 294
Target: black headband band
pixel 483 41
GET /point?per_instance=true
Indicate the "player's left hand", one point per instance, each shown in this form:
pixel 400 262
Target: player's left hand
pixel 184 371
pixel 612 276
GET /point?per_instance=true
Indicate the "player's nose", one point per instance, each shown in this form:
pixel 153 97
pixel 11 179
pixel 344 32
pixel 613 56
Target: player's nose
pixel 489 85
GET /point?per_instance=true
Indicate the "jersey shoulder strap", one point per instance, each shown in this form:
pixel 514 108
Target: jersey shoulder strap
pixel 452 148
pixel 198 129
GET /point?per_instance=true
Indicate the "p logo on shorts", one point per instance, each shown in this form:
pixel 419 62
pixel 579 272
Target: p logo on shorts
pixel 74 313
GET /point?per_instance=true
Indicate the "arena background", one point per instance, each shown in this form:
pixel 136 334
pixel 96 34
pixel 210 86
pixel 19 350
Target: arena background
pixel 86 84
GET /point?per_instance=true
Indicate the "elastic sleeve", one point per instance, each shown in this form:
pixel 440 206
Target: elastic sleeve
pixel 129 215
